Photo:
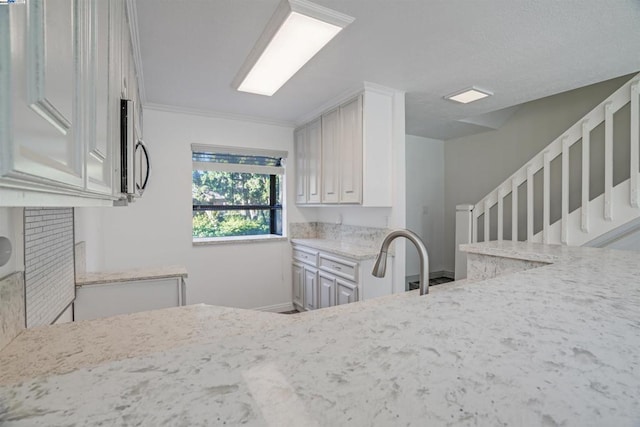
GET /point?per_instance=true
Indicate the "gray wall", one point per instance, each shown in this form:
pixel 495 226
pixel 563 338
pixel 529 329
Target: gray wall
pixel 476 164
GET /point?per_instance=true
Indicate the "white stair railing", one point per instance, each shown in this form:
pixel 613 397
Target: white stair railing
pixel 616 206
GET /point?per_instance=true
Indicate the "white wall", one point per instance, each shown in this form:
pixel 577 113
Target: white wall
pixel 88 228
pixel 156 230
pixel 476 164
pixel 425 199
pixel 11 227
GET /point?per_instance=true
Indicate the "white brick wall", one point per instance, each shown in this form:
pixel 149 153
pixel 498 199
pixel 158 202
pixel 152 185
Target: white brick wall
pixel 49 271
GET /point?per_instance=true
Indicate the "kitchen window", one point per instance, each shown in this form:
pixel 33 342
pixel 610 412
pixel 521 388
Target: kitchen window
pixel 236 193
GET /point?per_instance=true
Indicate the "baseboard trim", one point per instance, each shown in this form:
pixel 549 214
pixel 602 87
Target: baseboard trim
pixel 432 275
pixel 276 308
pixel 448 274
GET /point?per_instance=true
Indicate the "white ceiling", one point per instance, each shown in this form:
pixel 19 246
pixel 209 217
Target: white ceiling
pixel 520 50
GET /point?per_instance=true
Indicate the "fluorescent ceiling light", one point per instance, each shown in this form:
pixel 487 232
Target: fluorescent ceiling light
pixel 296 32
pixel 469 95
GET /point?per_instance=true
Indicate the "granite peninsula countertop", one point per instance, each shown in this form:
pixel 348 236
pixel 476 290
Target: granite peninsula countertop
pixel 555 345
pixel 93 278
pixel 340 247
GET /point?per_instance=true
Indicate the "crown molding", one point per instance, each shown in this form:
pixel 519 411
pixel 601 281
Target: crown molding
pixel 343 97
pixel 132 13
pixel 333 102
pixel 217 114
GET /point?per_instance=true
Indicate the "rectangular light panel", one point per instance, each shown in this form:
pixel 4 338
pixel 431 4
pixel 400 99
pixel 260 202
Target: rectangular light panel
pixel 298 39
pixel 468 96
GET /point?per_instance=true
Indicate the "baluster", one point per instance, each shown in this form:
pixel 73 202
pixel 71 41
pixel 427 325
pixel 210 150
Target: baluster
pixel 514 210
pixel 546 195
pixel 500 214
pixel 487 224
pixel 608 160
pixel 635 144
pixel 529 203
pixel 475 216
pixel 586 148
pixel 564 235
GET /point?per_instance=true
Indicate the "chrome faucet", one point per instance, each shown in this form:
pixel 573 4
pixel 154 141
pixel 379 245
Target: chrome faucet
pixel 380 266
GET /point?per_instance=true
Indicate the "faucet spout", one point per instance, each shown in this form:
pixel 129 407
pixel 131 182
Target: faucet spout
pixel 380 266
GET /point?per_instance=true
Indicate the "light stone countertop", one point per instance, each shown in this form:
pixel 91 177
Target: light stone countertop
pixel 340 247
pixel 102 277
pixel 556 345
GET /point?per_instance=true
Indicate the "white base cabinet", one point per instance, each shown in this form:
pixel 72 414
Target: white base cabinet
pixel 111 299
pixel 321 279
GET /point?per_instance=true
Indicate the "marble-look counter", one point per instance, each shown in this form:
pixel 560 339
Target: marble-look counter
pixel 555 345
pixel 93 278
pixel 340 248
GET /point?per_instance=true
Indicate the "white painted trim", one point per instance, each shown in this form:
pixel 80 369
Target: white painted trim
pixel 276 308
pixel 217 115
pixel 448 274
pixel 329 105
pixel 207 148
pixel 132 13
pixel 432 275
pixel 343 97
pixel 232 240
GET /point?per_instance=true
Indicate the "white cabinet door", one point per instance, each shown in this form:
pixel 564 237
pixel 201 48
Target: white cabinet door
pixel 96 301
pixel 326 290
pixel 330 157
pixel 310 288
pixel 346 292
pixel 300 145
pixel 297 280
pixel 102 109
pixel 351 151
pixel 42 57
pixel 313 154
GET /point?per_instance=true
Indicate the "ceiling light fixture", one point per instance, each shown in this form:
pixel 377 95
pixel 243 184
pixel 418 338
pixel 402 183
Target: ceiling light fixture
pixel 469 95
pixel 295 33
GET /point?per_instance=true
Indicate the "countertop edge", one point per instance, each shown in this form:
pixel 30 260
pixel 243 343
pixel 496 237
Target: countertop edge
pixel 102 278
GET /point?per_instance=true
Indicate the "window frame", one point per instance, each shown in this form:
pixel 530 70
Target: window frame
pixel 273 207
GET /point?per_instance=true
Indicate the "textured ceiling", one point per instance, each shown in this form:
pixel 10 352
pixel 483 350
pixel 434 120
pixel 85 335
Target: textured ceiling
pixel 520 50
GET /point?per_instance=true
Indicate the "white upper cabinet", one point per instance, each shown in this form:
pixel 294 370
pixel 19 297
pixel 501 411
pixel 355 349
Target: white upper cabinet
pixel 60 65
pixel 102 132
pixel 308 140
pixel 300 148
pixel 314 141
pixel 330 157
pixel 356 153
pixel 350 151
pixel 42 140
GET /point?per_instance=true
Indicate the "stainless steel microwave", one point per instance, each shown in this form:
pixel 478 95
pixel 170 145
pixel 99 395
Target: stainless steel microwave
pixel 134 156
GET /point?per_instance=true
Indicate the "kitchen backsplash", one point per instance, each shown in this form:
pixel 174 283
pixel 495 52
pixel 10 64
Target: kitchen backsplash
pixel 49 263
pixel 12 317
pixel 347 233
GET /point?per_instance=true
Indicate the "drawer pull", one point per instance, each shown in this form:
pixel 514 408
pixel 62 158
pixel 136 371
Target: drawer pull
pixel 337 268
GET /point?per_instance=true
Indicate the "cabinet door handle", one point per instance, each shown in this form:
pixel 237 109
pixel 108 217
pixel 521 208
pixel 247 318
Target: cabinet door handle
pixel 349 191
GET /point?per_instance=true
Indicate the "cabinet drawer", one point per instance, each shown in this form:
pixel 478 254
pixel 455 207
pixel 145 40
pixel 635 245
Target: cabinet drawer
pixel 305 255
pixel 339 267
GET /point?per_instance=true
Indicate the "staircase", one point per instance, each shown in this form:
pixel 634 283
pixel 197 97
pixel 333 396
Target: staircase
pixel 550 199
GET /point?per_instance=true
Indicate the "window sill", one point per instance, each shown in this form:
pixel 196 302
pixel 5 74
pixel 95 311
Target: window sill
pixel 207 241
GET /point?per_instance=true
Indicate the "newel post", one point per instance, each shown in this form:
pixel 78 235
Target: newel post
pixel 464 234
